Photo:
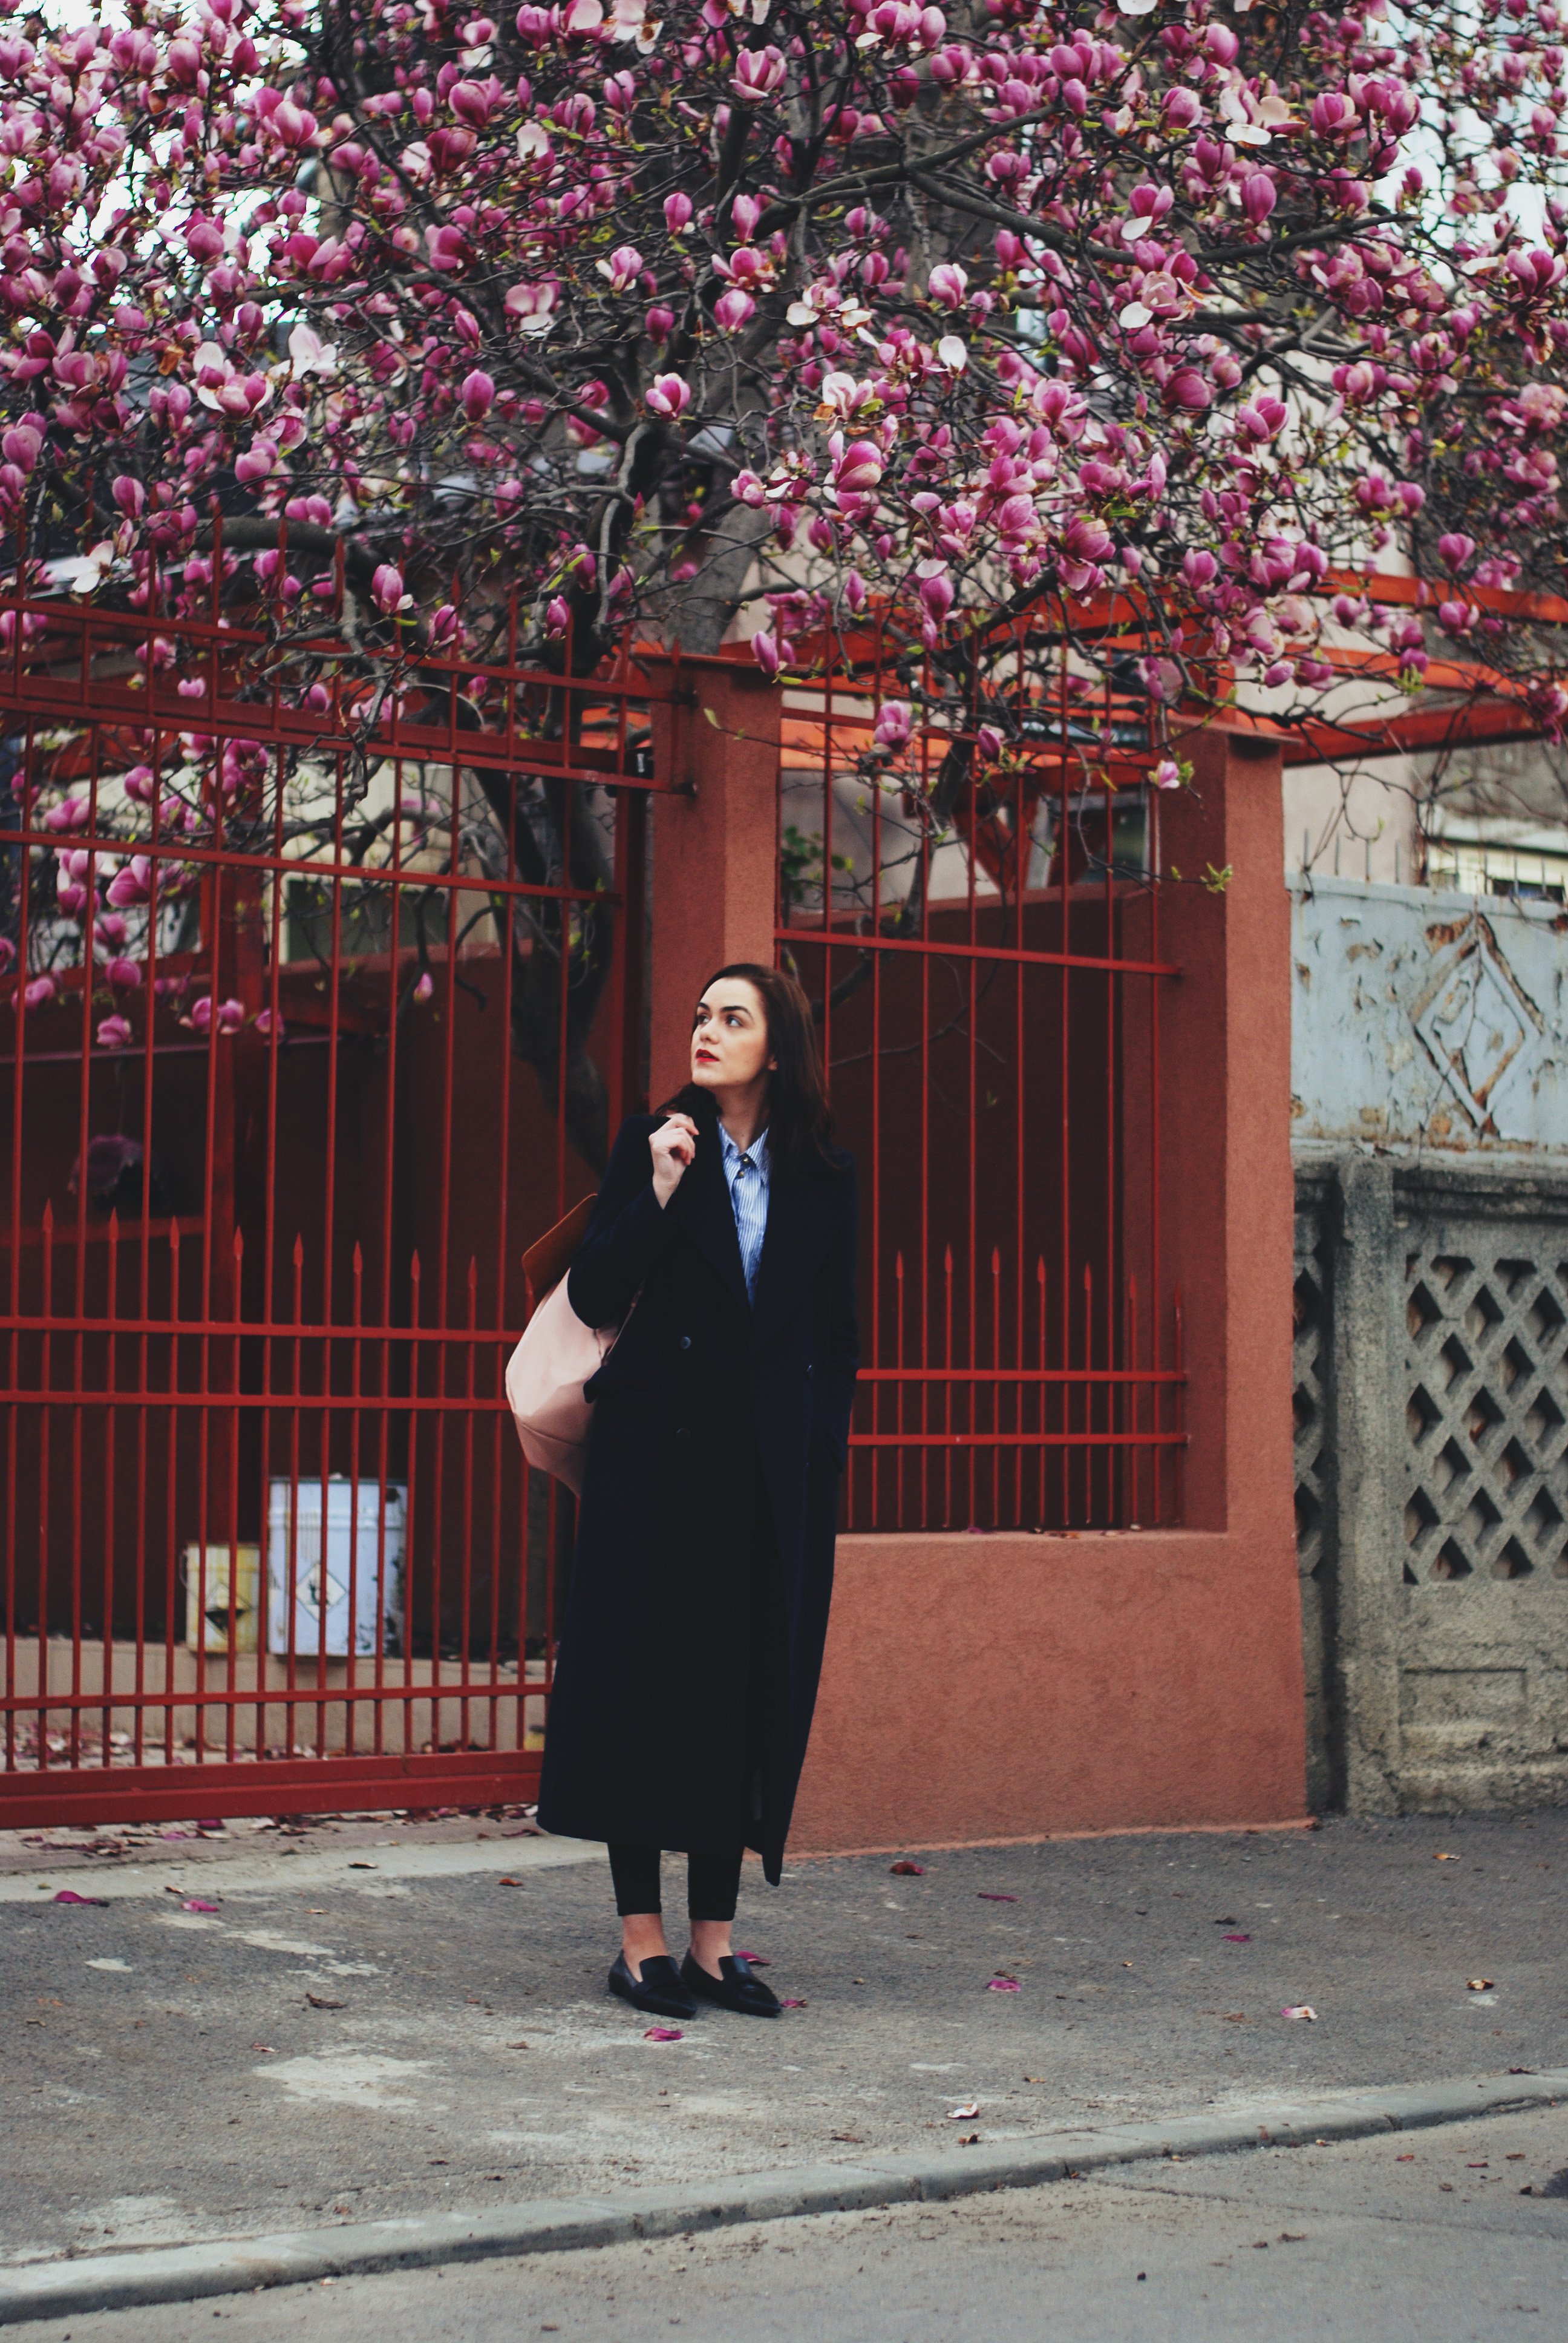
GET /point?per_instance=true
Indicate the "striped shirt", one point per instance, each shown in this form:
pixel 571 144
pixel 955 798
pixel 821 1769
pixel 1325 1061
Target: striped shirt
pixel 748 1177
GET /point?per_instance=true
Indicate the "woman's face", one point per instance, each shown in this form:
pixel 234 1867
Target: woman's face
pixel 729 1038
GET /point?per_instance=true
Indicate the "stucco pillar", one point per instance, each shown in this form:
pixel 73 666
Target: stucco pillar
pixel 714 843
pixel 1228 1201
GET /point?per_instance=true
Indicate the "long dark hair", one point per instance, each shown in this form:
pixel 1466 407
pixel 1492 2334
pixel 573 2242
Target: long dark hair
pixel 799 1119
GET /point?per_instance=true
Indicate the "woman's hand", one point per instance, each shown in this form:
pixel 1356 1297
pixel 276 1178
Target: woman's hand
pixel 673 1146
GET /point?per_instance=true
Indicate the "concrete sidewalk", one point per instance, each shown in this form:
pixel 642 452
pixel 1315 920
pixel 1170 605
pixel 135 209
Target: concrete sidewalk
pixel 385 2019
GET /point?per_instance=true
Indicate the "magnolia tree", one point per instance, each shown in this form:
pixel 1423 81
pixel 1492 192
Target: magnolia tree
pixel 939 315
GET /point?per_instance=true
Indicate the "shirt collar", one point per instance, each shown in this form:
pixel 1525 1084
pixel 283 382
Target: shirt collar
pixel 757 1152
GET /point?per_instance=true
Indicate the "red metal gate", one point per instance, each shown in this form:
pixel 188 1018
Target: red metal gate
pixel 983 931
pixel 321 990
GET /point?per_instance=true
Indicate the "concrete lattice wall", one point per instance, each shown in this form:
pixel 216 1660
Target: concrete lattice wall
pixel 1432 1480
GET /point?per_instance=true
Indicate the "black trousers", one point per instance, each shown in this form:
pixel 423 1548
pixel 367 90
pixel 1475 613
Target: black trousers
pixel 712 1881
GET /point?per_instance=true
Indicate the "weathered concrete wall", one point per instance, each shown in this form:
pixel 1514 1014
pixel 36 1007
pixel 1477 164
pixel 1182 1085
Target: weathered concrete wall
pixel 1432 1480
pixel 1427 1020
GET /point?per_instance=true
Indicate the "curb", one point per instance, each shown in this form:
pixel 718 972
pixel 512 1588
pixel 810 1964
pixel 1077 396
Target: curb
pixel 565 2224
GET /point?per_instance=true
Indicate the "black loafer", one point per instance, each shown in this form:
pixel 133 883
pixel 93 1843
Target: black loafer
pixel 658 1990
pixel 737 1986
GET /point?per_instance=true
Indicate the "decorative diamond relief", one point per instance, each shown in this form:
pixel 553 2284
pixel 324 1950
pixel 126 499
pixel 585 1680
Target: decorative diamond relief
pixel 1475 1020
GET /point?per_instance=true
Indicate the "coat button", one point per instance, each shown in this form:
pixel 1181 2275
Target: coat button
pixel 685 1342
pixel 683 1432
pixel 808 1366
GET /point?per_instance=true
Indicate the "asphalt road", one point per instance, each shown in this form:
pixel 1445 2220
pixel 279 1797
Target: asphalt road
pixel 1419 2238
pixel 333 2044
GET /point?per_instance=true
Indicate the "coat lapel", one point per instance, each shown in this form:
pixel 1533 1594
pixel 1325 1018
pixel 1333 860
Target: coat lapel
pixel 800 1230
pixel 708 1216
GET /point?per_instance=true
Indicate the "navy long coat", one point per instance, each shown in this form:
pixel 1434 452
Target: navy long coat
pixel 716 1426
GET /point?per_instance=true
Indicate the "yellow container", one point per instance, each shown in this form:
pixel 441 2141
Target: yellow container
pixel 207 1597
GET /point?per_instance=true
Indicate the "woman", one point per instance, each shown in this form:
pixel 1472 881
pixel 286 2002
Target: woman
pixel 699 1601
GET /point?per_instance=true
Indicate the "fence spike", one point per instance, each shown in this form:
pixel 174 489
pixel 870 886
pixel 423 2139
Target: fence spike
pixel 299 1252
pixel 239 1244
pixel 48 1220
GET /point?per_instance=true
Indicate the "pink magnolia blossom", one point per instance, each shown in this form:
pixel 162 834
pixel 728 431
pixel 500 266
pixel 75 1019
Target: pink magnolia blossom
pixel 135 882
pixel 758 74
pixel 859 469
pixel 1259 196
pixel 257 464
pixel 387 590
pixel 895 722
pixel 668 395
pixel 623 267
pixel 936 596
pixel 227 1019
pixel 734 309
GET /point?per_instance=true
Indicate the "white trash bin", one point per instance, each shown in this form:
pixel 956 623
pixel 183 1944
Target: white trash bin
pixel 322 1580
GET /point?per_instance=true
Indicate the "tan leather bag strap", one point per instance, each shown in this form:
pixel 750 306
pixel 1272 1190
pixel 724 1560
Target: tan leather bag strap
pixel 549 1257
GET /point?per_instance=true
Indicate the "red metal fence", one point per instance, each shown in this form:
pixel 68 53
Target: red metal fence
pixel 320 995
pixel 323 990
pixel 980 917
